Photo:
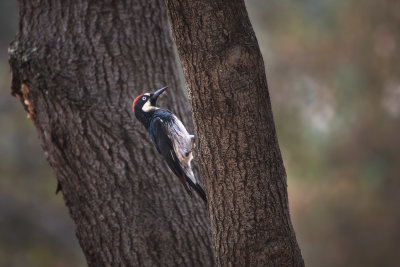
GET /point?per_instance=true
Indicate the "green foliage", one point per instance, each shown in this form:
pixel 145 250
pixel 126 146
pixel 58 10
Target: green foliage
pixel 334 80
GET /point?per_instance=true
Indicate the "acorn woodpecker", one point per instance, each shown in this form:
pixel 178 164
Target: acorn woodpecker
pixel 170 137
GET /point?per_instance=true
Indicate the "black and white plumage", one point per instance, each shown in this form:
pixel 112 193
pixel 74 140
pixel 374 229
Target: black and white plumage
pixel 170 138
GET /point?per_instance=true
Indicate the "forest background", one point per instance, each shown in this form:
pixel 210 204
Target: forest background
pixel 334 78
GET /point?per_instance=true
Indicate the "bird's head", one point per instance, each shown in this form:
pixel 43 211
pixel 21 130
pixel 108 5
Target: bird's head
pixel 146 103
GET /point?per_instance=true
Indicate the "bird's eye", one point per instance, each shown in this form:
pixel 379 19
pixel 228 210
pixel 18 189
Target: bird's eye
pixel 144 98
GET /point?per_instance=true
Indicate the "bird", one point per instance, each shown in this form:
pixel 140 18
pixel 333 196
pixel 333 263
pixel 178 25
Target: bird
pixel 170 138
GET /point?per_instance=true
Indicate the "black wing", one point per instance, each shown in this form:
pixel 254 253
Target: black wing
pixel 160 136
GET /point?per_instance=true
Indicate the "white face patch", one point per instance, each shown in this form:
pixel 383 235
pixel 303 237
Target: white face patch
pixel 147 107
pixel 147 94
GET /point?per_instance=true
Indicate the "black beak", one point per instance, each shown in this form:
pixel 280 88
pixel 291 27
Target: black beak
pixel 157 93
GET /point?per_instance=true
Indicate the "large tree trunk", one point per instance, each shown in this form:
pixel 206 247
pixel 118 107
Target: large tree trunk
pixel 238 150
pixel 77 65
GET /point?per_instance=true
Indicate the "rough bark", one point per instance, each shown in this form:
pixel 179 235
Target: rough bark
pixel 76 66
pixel 238 150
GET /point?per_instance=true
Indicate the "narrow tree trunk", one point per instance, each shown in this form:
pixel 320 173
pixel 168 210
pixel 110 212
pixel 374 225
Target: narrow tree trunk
pixel 238 150
pixel 77 65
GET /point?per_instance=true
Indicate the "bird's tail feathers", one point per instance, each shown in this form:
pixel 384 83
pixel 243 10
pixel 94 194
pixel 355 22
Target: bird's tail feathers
pixel 199 190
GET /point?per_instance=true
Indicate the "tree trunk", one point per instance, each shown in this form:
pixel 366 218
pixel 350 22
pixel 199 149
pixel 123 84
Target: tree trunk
pixel 77 65
pixel 238 150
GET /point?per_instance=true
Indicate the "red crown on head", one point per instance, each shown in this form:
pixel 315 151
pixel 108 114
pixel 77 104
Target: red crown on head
pixel 134 102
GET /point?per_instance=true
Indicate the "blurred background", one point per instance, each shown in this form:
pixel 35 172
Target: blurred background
pixel 333 69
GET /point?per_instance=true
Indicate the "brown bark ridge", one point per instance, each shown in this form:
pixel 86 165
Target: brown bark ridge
pixel 76 66
pixel 238 150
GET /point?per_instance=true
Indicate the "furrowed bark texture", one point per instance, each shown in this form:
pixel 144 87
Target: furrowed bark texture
pixel 238 150
pixel 77 65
